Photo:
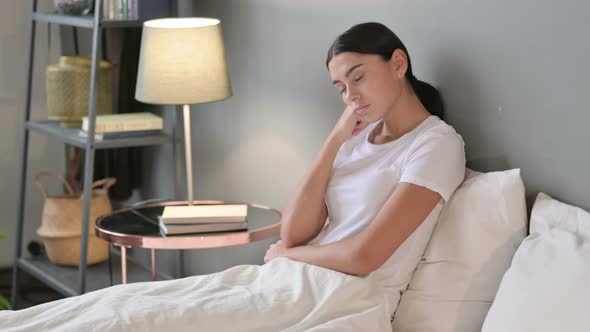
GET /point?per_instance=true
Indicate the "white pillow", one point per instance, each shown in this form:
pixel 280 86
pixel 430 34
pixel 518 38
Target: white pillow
pixel 471 247
pixel 547 288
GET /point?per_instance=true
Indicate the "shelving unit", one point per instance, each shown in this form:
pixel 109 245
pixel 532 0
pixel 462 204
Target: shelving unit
pixel 69 281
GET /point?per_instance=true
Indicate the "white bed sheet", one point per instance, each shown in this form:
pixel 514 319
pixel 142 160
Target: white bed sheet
pixel 282 295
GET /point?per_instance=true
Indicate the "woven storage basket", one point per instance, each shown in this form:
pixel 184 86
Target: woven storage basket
pixel 68 85
pixel 61 223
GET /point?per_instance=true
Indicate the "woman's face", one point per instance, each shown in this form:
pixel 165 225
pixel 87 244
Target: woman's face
pixel 367 82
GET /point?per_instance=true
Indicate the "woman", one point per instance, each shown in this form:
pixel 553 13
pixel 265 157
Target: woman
pixel 383 174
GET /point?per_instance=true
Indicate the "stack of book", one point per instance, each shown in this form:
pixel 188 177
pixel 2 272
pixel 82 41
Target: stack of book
pixel 203 218
pixel 122 125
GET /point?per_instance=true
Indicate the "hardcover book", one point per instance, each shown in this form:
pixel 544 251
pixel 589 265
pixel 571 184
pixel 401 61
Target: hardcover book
pixel 195 214
pixel 186 228
pixel 124 122
pixel 120 134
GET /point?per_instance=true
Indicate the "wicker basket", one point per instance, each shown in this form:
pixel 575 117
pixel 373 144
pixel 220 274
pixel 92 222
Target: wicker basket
pixel 61 223
pixel 68 85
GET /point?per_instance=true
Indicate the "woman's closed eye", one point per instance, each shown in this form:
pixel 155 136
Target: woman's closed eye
pixel 357 79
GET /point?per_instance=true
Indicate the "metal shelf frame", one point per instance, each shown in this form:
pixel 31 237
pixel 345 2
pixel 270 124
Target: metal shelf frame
pixel 61 278
pixel 42 269
pixel 86 21
pixel 72 136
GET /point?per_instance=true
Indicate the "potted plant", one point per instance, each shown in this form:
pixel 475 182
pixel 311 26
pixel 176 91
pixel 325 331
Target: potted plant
pixel 4 303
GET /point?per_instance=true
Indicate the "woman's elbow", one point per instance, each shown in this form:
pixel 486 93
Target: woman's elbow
pixel 363 262
pixel 294 238
pixel 289 241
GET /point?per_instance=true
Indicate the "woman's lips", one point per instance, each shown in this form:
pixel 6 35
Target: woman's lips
pixel 361 110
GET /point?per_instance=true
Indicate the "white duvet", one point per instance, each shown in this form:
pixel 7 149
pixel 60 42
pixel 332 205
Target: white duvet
pixel 282 295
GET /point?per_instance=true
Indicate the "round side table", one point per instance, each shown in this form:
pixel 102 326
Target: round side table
pixel 137 227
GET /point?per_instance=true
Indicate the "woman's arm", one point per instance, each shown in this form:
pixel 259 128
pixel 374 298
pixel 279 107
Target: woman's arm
pixel 404 211
pixel 306 213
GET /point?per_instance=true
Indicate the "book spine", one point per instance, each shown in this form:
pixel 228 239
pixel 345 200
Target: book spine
pixel 120 134
pixel 126 134
pixel 154 124
pixel 132 9
pixel 125 10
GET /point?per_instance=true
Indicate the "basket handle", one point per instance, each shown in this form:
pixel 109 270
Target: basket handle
pixel 105 183
pixel 42 187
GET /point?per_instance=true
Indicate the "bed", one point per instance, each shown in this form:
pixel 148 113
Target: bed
pixel 477 274
pixel 280 296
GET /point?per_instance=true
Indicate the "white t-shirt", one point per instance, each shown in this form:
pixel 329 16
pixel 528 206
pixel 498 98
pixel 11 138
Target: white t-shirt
pixel 364 176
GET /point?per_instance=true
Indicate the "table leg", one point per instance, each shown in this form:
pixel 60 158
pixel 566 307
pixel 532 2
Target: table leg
pixel 180 264
pixel 153 264
pixel 124 264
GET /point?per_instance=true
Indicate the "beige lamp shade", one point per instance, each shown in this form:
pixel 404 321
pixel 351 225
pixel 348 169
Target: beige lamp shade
pixel 182 61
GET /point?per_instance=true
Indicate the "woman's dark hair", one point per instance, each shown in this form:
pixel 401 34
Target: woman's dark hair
pixel 376 38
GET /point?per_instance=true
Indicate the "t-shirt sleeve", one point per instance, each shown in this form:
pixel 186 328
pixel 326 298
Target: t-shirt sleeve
pixel 436 162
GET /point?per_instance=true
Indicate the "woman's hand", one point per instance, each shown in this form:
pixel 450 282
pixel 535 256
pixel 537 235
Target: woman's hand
pixel 274 251
pixel 349 124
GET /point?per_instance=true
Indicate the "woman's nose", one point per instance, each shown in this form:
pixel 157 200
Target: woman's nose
pixel 352 96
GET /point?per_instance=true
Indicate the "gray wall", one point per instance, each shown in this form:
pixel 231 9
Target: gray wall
pixel 43 154
pixel 513 75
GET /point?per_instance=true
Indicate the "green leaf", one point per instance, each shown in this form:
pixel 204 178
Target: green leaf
pixel 4 304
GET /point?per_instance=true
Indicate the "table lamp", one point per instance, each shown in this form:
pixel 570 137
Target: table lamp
pixel 181 62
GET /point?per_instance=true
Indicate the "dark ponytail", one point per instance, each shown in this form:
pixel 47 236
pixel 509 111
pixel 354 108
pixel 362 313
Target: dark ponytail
pixel 376 38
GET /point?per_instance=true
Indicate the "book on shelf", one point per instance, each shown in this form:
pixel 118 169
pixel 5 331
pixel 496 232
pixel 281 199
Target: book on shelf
pixel 106 123
pixel 206 214
pixel 120 134
pixel 188 228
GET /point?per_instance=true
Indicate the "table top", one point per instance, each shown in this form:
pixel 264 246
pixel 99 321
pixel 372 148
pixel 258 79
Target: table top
pixel 138 227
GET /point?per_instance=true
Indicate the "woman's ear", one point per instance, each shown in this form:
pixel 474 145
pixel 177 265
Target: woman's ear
pixel 399 63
